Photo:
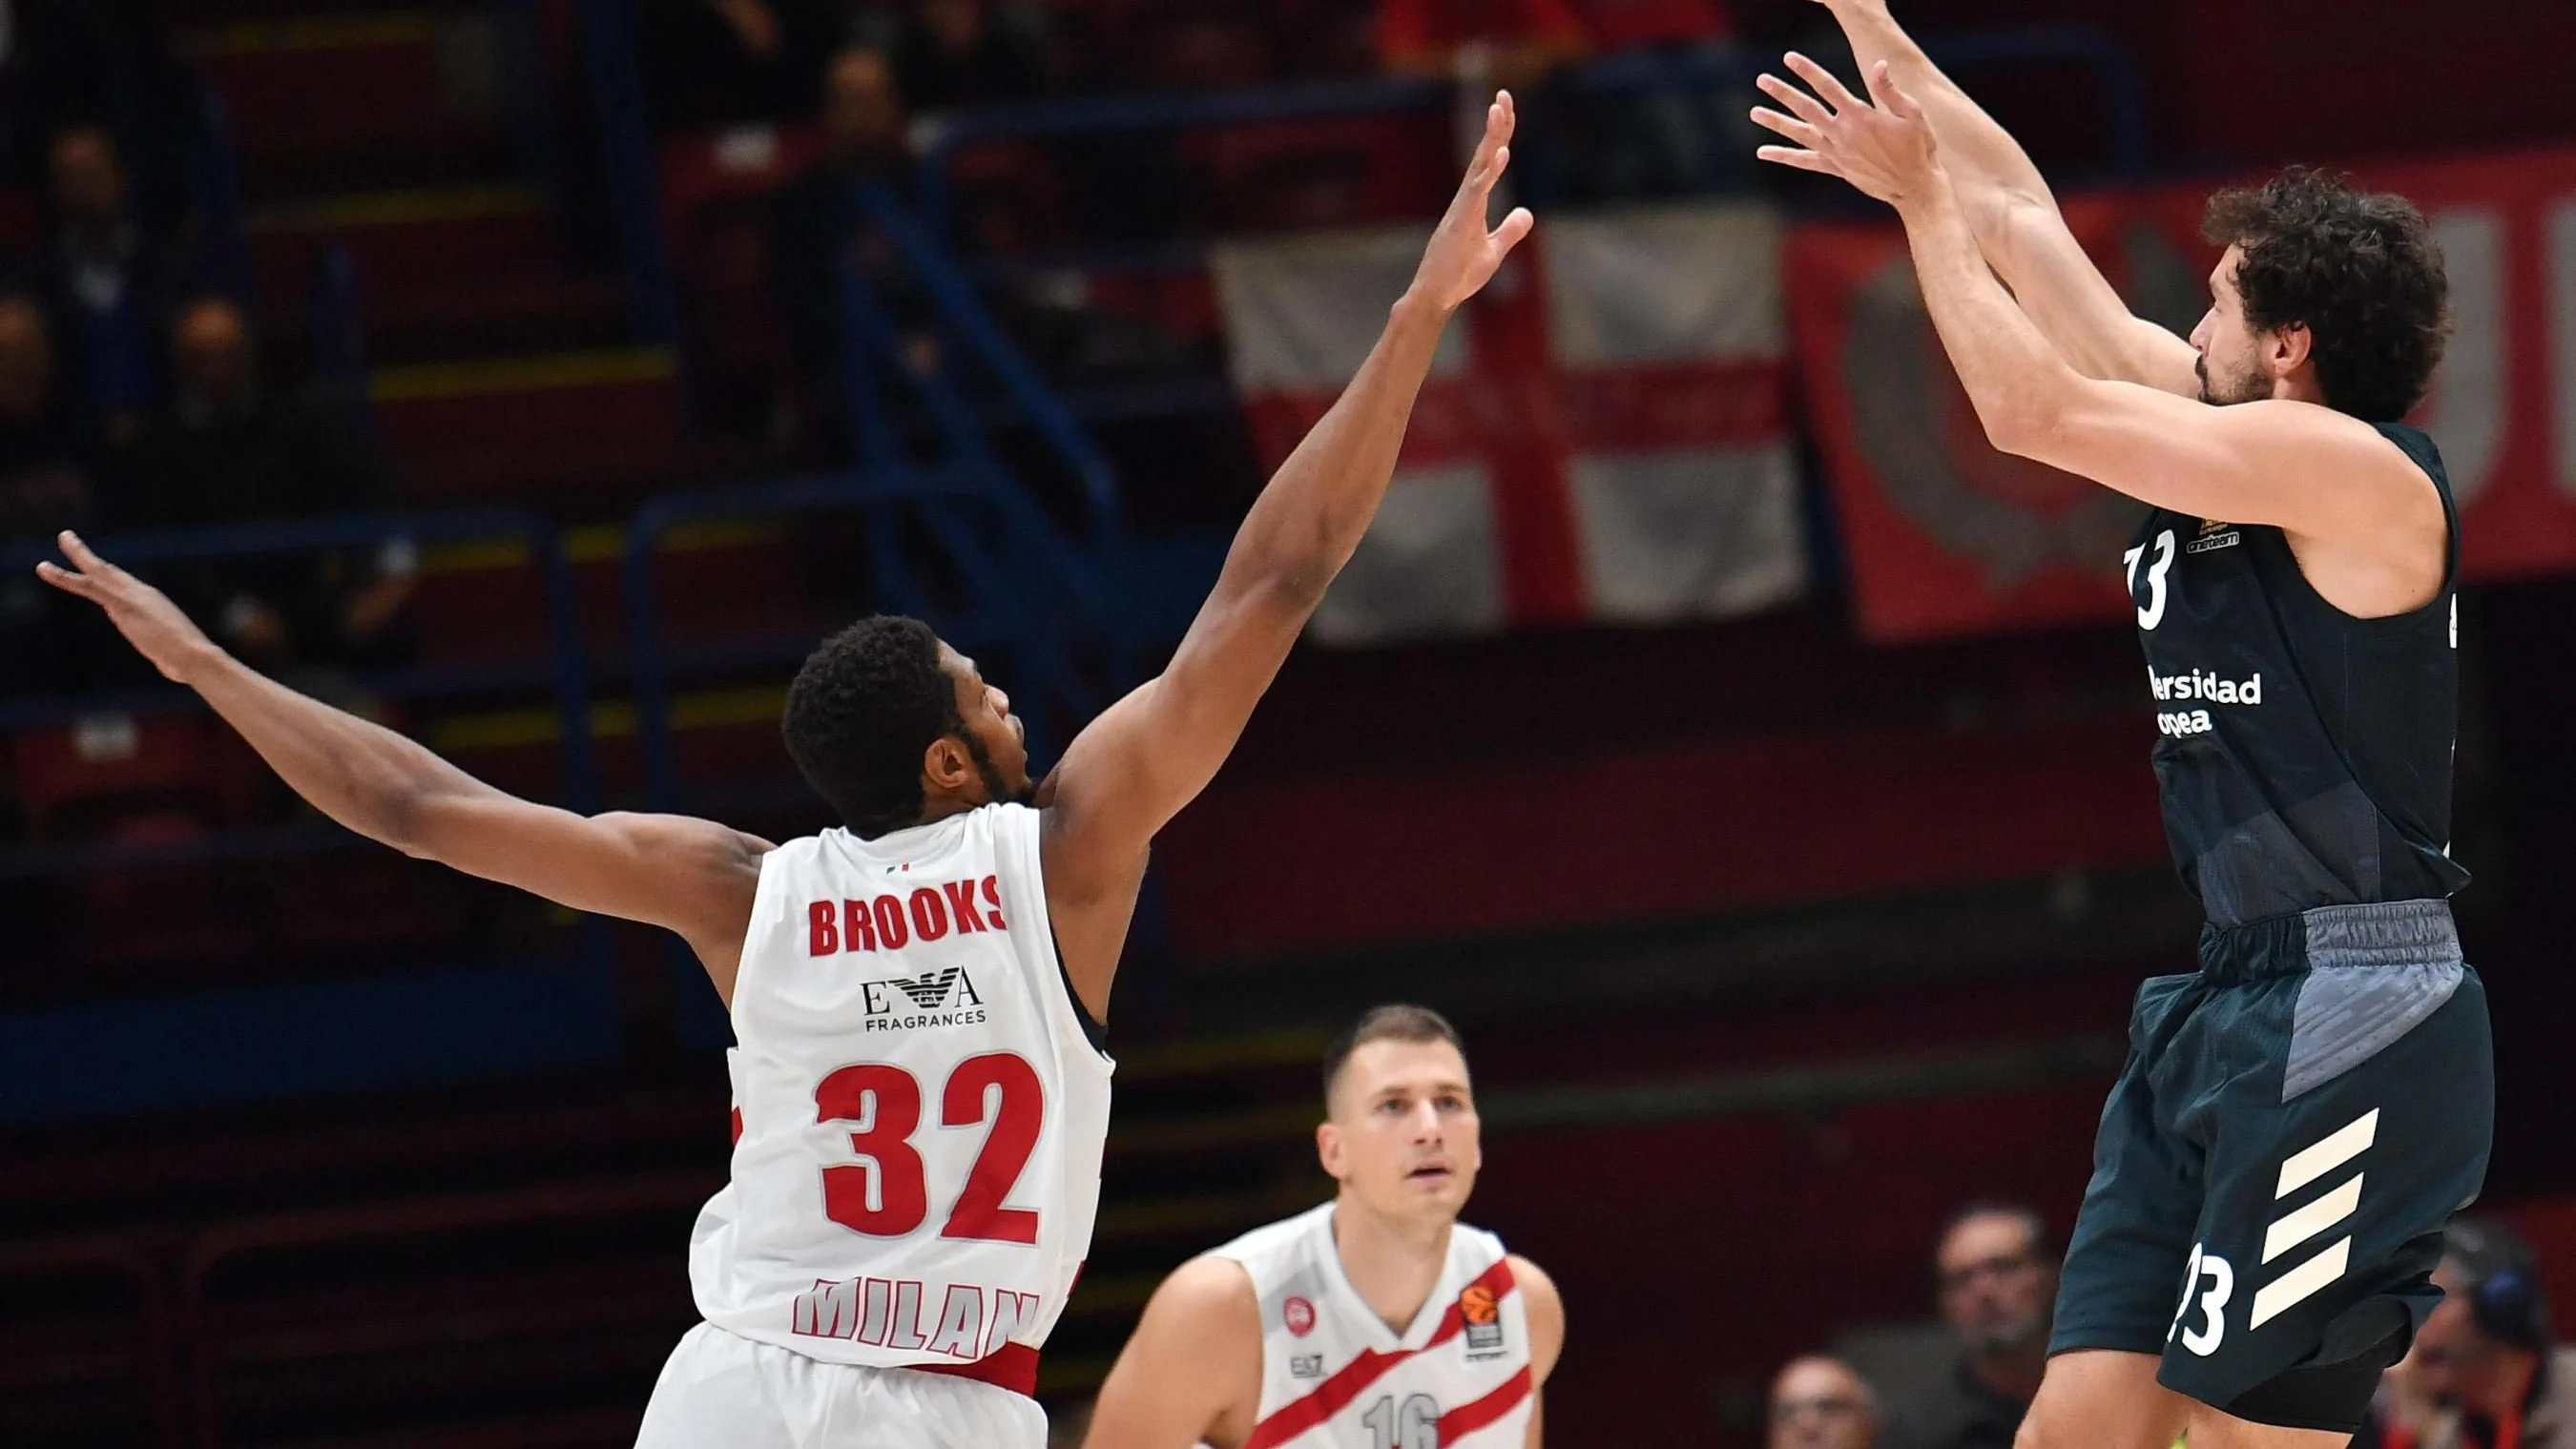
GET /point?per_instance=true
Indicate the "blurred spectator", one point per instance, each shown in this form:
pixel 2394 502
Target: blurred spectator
pixel 814 223
pixel 1996 1270
pixel 970 53
pixel 66 61
pixel 1522 46
pixel 2484 1372
pixel 1819 1403
pixel 721 62
pixel 47 462
pixel 47 457
pixel 227 450
pixel 109 277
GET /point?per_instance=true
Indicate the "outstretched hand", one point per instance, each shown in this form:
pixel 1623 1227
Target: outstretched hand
pixel 1886 150
pixel 143 614
pixel 1464 253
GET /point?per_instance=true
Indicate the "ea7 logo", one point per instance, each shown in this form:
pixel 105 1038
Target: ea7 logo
pixel 927 992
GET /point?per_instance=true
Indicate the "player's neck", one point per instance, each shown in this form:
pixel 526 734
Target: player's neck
pixel 2300 386
pixel 1393 1263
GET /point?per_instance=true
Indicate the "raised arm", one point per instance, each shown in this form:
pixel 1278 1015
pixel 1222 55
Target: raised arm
pixel 1191 1372
pixel 1153 751
pixel 2009 206
pixel 689 876
pixel 2367 523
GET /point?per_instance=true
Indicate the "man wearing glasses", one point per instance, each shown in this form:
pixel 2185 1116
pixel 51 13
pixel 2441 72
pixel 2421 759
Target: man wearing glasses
pixel 1819 1403
pixel 1996 1270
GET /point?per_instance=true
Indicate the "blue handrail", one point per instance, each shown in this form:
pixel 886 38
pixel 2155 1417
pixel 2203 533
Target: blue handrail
pixel 337 320
pixel 871 335
pixel 970 322
pixel 569 671
pixel 529 89
pixel 214 191
pixel 626 161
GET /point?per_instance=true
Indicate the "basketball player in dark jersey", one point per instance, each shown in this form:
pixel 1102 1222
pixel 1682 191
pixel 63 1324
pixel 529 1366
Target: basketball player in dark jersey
pixel 2300 1117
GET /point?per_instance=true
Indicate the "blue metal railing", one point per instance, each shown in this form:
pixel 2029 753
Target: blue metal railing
pixel 968 322
pixel 213 169
pixel 531 98
pixel 336 321
pixel 607 34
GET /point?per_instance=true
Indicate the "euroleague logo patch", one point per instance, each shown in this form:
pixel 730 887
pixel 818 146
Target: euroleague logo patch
pixel 1483 1315
pixel 1299 1315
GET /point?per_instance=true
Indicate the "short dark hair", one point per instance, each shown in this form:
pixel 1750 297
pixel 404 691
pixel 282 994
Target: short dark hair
pixel 2043 1245
pixel 861 713
pixel 1395 1022
pixel 2359 269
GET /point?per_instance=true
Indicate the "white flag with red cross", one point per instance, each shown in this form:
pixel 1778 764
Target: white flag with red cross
pixel 1603 436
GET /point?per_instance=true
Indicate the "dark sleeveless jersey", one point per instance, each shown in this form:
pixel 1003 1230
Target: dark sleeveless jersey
pixel 2305 757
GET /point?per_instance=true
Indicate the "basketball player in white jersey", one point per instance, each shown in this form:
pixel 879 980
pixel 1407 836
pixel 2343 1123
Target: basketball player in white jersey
pixel 921 1105
pixel 1376 1321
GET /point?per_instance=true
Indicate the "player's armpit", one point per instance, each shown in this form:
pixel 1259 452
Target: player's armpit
pixel 1191 1373
pixel 1139 763
pixel 693 877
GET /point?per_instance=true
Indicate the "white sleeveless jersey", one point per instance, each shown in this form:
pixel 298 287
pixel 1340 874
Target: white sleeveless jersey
pixel 1334 1376
pixel 920 1115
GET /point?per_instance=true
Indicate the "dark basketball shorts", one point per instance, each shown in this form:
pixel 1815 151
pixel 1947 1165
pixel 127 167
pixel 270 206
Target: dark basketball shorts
pixel 2295 1124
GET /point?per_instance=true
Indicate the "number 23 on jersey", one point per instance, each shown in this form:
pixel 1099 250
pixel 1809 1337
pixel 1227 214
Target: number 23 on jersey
pixel 2152 612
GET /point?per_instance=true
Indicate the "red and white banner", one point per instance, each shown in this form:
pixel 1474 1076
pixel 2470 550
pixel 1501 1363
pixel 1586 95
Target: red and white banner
pixel 1602 437
pixel 1947 536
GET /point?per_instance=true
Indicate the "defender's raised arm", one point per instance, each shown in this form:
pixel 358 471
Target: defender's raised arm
pixel 1152 752
pixel 690 876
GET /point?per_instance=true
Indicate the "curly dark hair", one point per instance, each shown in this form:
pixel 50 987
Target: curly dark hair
pixel 860 714
pixel 2359 269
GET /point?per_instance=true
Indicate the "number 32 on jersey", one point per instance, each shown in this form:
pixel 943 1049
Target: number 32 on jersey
pixel 886 1101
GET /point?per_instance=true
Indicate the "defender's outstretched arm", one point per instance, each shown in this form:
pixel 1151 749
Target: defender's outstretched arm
pixel 1153 751
pixel 690 876
pixel 2015 216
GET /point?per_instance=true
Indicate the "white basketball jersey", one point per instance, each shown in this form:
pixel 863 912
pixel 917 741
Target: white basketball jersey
pixel 921 1117
pixel 1334 1376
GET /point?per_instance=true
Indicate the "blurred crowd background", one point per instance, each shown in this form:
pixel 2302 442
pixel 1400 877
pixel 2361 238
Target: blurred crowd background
pixel 1752 764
